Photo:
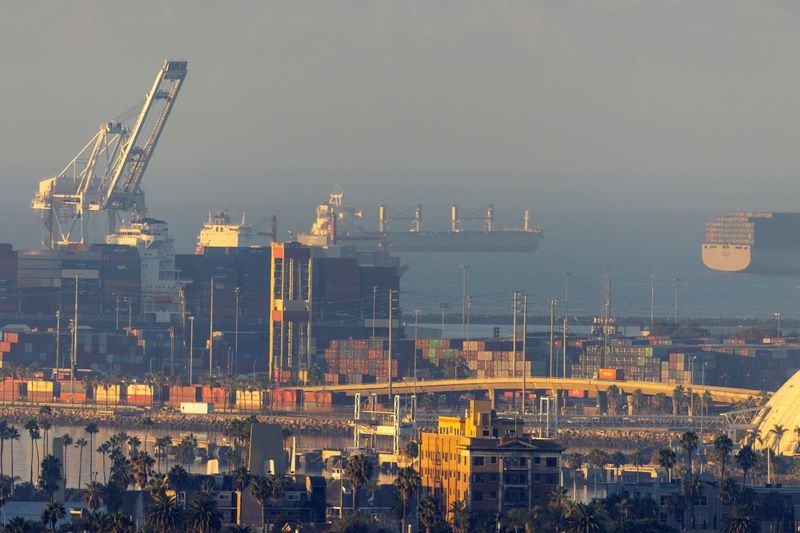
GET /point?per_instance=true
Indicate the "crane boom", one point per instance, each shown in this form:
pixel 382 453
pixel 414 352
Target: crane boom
pixel 106 174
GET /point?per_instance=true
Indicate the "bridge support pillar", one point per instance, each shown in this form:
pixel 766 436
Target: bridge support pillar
pixel 602 401
pixel 492 394
pixel 630 405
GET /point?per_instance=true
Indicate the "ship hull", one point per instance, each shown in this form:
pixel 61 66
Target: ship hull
pixel 744 258
pixel 467 241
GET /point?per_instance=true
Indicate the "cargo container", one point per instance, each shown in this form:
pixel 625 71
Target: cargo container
pixel 196 408
pixel 610 374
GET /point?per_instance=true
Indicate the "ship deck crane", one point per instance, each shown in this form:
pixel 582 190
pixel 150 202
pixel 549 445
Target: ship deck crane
pixel 106 175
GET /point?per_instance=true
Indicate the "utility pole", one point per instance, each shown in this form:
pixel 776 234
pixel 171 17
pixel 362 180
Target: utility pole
pixel 391 308
pixel 524 348
pixel 416 338
pixel 58 341
pixel 469 313
pixel 172 351
pixel 566 293
pixel 211 333
pixel 191 347
pixel 553 303
pixel 236 336
pixel 652 302
pixel 374 298
pixel 463 301
pixel 564 348
pixel 514 307
pixel 675 305
pixel 74 358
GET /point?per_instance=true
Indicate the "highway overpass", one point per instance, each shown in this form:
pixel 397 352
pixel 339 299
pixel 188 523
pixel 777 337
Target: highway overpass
pixel 721 394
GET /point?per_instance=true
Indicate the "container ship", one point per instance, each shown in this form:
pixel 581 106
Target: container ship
pixel 338 224
pixel 757 242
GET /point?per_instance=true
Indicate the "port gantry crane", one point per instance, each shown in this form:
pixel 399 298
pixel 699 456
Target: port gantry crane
pixel 106 175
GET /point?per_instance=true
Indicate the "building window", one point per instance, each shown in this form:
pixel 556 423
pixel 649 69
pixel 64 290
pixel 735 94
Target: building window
pixel 537 460
pixel 477 461
pixel 494 460
pixel 477 496
pixel 523 461
pixel 552 462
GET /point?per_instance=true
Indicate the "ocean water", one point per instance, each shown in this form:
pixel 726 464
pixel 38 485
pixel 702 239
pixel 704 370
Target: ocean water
pixel 625 248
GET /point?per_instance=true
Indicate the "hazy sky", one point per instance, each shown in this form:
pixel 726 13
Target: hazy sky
pixel 561 105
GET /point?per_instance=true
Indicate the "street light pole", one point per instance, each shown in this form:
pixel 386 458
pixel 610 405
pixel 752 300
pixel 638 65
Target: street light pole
pixel 236 336
pixel 191 347
pixel 58 341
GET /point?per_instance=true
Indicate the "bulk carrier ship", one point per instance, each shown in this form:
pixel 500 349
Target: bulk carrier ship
pixel 757 242
pixel 336 224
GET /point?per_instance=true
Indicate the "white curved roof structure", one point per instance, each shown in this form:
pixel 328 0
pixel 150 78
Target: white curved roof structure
pixel 776 423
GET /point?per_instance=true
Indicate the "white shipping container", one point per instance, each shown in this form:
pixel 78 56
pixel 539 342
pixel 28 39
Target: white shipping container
pixel 196 408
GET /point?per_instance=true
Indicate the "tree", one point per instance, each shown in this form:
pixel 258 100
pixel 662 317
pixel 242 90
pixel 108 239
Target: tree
pixel 147 422
pixel 689 443
pixel 162 445
pixel 142 465
pixel 32 427
pixel 3 438
pixel 93 495
pixel 613 394
pixel 407 482
pixel 13 434
pixel 597 458
pixel 427 512
pixel 678 399
pixel 80 444
pixel 261 491
pixel 358 472
pixel 558 503
pixel 666 460
pixel 693 489
pixel 739 520
pixel 618 459
pixel 582 518
pixel 133 444
pixel 461 517
pixel 723 445
pixel 778 430
pixel 91 429
pixel 186 448
pixel 178 478
pixel 120 523
pixel 50 475
pixel 746 458
pixel 676 503
pixel 203 515
pixel 66 441
pixel 241 478
pixel 6 489
pixel 515 519
pixel 164 514
pixel 20 525
pixel 103 450
pixel 52 513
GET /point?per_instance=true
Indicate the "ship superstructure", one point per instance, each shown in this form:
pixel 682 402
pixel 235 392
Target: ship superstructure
pixel 160 285
pixel 753 241
pixel 219 232
pixel 339 224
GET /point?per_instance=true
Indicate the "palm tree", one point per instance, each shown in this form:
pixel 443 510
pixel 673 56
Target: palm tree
pixel 178 478
pixel 186 449
pixel 13 434
pixel 93 495
pixel 597 458
pixel 45 426
pixel 407 482
pixel 6 489
pixel 133 444
pixel 162 445
pixel 693 488
pixel 104 449
pixel 515 519
pixel 358 472
pixel 427 512
pixel 203 516
pixel 147 422
pixel 261 491
pixel 20 525
pixel 558 503
pixel 738 520
pixel 32 428
pixel 53 513
pixel 689 443
pixel 66 441
pixel 461 517
pixel 278 486
pixel 3 437
pixel 120 523
pixel 80 444
pixel 723 445
pixel 746 458
pixel 676 503
pixel 582 518
pixel 50 475
pixel 678 399
pixel 778 430
pixel 91 429
pixel 666 460
pixel 241 478
pixel 164 514
pixel 613 394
